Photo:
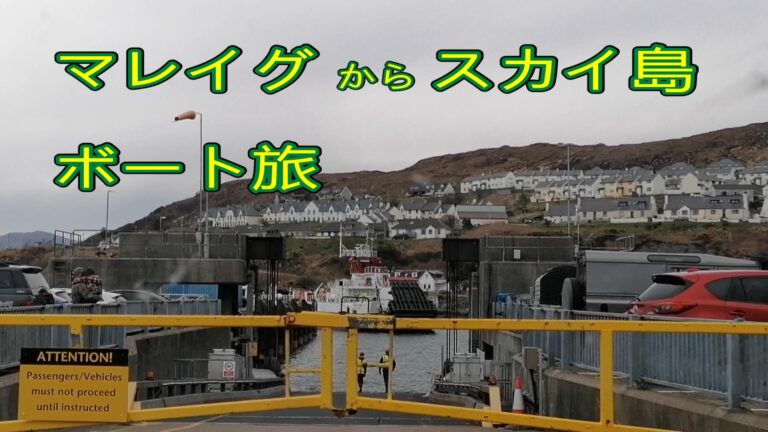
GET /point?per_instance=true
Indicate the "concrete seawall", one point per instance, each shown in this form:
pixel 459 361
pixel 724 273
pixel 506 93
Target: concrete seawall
pixel 578 397
pixel 155 352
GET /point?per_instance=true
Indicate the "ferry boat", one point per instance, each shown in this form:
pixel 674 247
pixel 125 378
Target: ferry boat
pixel 366 291
pixel 371 289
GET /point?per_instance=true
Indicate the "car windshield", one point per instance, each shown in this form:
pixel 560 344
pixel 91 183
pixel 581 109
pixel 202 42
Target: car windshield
pixel 36 281
pixel 664 287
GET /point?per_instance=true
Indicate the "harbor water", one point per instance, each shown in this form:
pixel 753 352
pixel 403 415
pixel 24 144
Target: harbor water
pixel 417 356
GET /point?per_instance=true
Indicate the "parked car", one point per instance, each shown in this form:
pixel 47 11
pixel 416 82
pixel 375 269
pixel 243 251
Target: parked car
pixel 140 295
pixel 62 295
pixel 717 294
pixel 18 281
pixel 15 289
pixel 608 281
pixel 107 297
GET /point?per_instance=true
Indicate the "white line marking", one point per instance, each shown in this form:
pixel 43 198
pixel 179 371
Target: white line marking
pixel 189 426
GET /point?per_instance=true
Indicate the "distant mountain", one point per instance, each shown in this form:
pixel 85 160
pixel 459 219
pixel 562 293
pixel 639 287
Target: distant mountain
pixel 18 240
pixel 748 144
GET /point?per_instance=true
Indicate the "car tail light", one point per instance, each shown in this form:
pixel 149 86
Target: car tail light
pixel 672 308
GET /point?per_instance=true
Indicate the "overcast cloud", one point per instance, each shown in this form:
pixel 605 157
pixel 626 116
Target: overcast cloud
pixel 44 111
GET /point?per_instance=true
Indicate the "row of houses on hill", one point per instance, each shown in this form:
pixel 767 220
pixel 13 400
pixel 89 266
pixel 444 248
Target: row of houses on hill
pixel 676 179
pixel 732 208
pixel 417 217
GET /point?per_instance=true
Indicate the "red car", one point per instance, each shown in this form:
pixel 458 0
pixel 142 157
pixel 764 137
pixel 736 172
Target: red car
pixel 713 294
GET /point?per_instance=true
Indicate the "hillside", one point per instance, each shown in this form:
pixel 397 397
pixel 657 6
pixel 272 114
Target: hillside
pixel 746 143
pixel 19 240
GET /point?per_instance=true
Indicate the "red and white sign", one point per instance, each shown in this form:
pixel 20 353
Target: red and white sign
pixel 228 369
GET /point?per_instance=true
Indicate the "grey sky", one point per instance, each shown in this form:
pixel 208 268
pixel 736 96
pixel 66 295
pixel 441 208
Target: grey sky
pixel 44 111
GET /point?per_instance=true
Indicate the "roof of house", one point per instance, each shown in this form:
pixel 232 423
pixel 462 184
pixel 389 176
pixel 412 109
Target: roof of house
pixel 487 176
pixel 565 183
pixel 758 168
pixel 677 167
pixel 481 212
pixel 419 224
pixel 647 176
pixel 558 173
pixel 499 175
pixel 707 176
pixel 726 163
pixel 298 207
pixel 436 274
pixel 716 171
pixel 213 212
pixel 250 211
pixel 676 202
pixel 612 204
pixel 561 209
pixel 740 187
pixel 413 204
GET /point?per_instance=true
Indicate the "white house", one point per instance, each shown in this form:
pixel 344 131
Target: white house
pixel 559 212
pixel 249 216
pixel 503 180
pixel 757 174
pixel 432 281
pixel 750 192
pixel 617 210
pixel 616 186
pixel 526 180
pixel 725 169
pixel 558 190
pixel 429 189
pixel 764 211
pixel 482 214
pixel 676 170
pixel 338 193
pixel 412 208
pixel 705 209
pixel 683 184
pixel 649 183
pixel 420 229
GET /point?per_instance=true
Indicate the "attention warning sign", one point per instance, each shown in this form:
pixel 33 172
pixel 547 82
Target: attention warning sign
pixel 73 385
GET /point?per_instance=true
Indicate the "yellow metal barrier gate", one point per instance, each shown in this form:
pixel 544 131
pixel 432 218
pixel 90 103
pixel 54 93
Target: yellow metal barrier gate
pixel 352 323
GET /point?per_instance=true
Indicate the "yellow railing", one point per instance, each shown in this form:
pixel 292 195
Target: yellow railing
pixel 352 324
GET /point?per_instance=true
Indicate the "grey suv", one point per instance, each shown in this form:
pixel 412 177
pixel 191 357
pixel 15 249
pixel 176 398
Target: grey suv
pixel 19 284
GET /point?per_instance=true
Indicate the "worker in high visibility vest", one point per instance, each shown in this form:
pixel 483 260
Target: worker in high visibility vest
pixel 362 367
pixel 387 359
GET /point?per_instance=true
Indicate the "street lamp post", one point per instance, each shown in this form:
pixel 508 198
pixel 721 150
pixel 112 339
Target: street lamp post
pixel 106 224
pixel 202 218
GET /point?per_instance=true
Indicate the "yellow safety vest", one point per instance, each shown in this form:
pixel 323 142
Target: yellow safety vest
pixel 388 361
pixel 361 364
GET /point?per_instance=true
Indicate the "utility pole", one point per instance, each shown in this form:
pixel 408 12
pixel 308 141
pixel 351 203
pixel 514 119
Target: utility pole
pixel 106 224
pixel 568 180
